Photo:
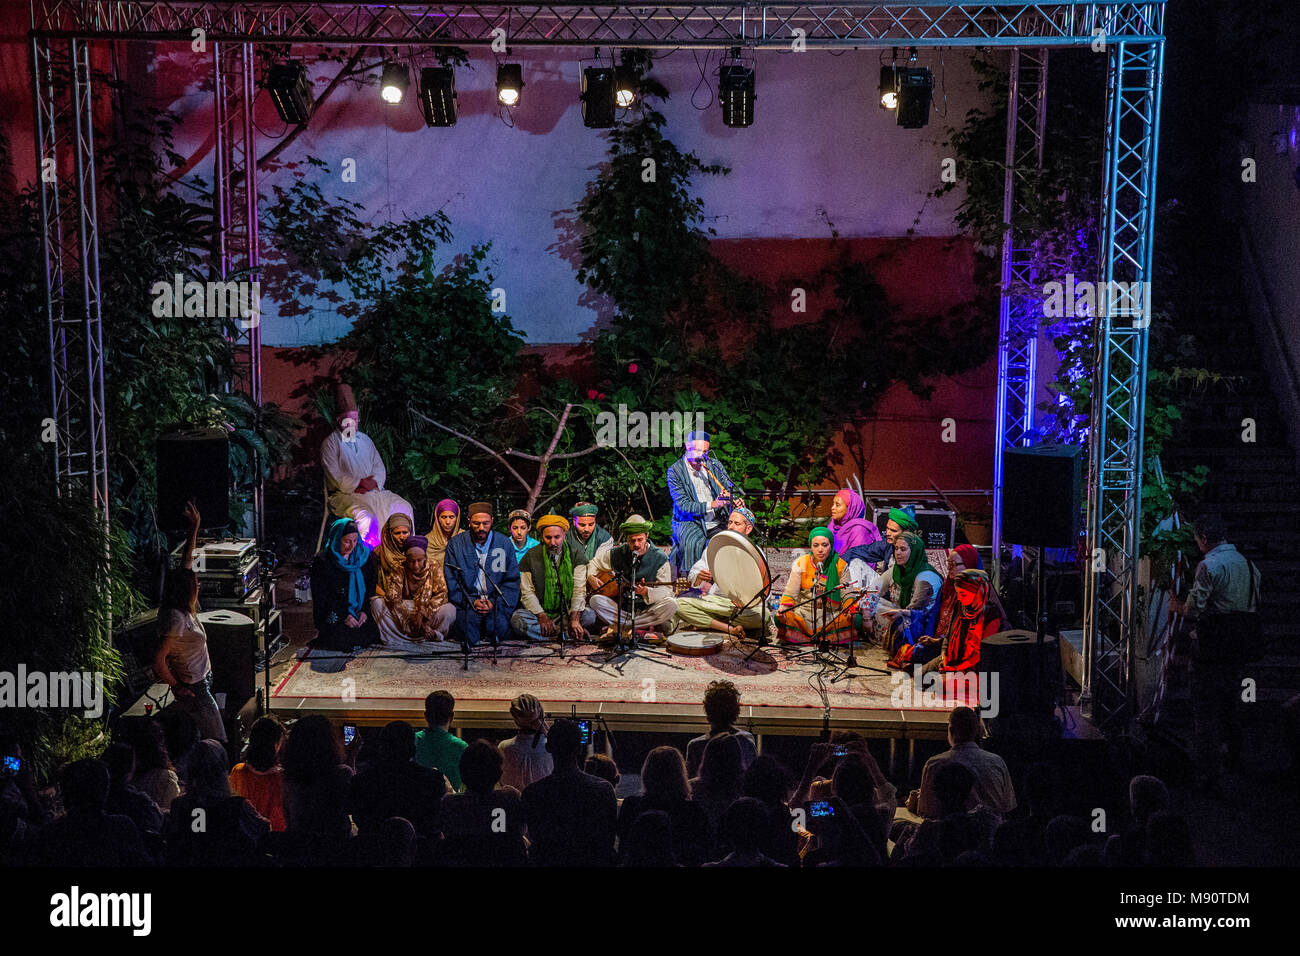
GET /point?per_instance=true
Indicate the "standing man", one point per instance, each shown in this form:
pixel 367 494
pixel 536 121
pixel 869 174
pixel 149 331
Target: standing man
pixel 701 491
pixel 553 586
pixel 587 536
pixel 650 590
pixel 1224 605
pixel 482 579
pixel 355 474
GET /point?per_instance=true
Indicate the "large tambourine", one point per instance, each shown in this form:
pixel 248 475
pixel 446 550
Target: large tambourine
pixel 738 567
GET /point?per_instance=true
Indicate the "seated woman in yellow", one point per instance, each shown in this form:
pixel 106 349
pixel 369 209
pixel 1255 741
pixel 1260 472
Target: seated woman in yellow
pixel 800 619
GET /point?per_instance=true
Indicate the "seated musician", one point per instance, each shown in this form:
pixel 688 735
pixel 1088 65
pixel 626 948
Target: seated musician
pixel 711 611
pixel 517 524
pixel 824 575
pixel 650 591
pixel 909 599
pixel 553 586
pixel 355 474
pixel 848 522
pixel 411 605
pixel 702 499
pixel 482 579
pixel 956 647
pixel 586 535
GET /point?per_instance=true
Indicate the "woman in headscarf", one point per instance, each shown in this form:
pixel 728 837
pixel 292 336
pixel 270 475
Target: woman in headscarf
pixel 977 616
pixel 413 606
pixel 392 551
pixel 342 579
pixel 446 525
pixel 801 620
pixel 518 524
pixel 909 600
pixel 847 524
pixel 960 558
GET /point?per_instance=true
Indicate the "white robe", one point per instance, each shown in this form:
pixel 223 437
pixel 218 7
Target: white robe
pixel 346 462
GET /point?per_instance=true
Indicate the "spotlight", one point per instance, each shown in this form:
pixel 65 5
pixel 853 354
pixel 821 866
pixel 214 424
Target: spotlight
pixel 290 91
pixel 438 95
pixel 393 82
pixel 736 94
pixel 510 80
pixel 598 97
pixel 889 88
pixel 625 84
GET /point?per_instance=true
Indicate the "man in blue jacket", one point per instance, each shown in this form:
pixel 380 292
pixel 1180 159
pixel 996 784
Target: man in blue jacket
pixel 702 500
pixel 482 579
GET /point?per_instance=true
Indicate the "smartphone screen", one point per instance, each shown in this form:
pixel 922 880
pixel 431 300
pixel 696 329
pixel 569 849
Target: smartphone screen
pixel 12 764
pixel 584 728
pixel 820 808
pixel 349 731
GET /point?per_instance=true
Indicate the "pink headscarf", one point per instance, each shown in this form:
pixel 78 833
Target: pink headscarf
pixel 853 530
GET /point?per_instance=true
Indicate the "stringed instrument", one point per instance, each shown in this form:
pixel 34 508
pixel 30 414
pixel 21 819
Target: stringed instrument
pixel 608 587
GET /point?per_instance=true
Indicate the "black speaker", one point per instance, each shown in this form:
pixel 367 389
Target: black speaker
pixel 234 646
pixel 193 464
pixel 1042 495
pixel 1014 657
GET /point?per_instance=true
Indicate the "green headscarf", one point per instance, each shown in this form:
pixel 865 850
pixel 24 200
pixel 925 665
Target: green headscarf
pixel 561 580
pixel 832 562
pixel 903 519
pixel 905 575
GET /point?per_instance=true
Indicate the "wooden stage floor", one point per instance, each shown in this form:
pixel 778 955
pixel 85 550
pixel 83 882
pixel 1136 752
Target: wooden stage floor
pixel 783 690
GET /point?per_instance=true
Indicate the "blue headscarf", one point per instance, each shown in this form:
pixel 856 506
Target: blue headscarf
pixel 352 564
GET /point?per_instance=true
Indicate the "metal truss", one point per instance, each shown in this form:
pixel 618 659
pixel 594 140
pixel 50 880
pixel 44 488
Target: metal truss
pixel 1018 310
pixel 1132 31
pixel 655 26
pixel 235 194
pixel 65 146
pixel 1111 606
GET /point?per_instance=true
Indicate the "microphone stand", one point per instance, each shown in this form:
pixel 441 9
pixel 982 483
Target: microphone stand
pixel 462 608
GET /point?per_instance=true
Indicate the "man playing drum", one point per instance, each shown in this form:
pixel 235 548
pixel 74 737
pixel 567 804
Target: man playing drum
pixel 711 611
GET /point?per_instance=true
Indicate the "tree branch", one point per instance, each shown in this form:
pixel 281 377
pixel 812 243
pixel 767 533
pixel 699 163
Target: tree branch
pixel 567 454
pixel 474 441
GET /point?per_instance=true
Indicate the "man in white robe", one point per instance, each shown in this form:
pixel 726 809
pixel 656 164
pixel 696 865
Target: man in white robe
pixel 355 474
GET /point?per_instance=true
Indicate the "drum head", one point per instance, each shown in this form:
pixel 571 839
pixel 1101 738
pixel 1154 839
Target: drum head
pixel 696 643
pixel 738 567
pixel 224 618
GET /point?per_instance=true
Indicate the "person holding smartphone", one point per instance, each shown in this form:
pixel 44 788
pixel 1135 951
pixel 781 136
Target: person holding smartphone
pixel 182 661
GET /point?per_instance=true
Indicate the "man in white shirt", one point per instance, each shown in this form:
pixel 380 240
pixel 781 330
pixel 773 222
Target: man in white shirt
pixel 712 611
pixel 648 585
pixel 992 790
pixel 355 474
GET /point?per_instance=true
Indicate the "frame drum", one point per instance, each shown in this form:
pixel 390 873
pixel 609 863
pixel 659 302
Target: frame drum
pixel 738 567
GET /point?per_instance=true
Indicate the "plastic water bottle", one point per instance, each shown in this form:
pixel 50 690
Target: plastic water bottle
pixel 873 595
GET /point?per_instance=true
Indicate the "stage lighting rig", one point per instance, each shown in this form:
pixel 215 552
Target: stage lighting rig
pixel 290 91
pixel 598 97
pixel 907 91
pixel 736 91
pixel 393 82
pixel 438 95
pixel 510 81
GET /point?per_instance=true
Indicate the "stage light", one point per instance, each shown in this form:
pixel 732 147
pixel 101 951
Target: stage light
pixel 736 94
pixel 510 81
pixel 625 85
pixel 915 91
pixel 438 95
pixel 290 91
pixel 598 97
pixel 393 82
pixel 888 88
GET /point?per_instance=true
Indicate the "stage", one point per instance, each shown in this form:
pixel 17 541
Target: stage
pixel 783 690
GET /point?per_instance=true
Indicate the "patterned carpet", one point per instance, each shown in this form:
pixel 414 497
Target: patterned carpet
pixel 773 677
